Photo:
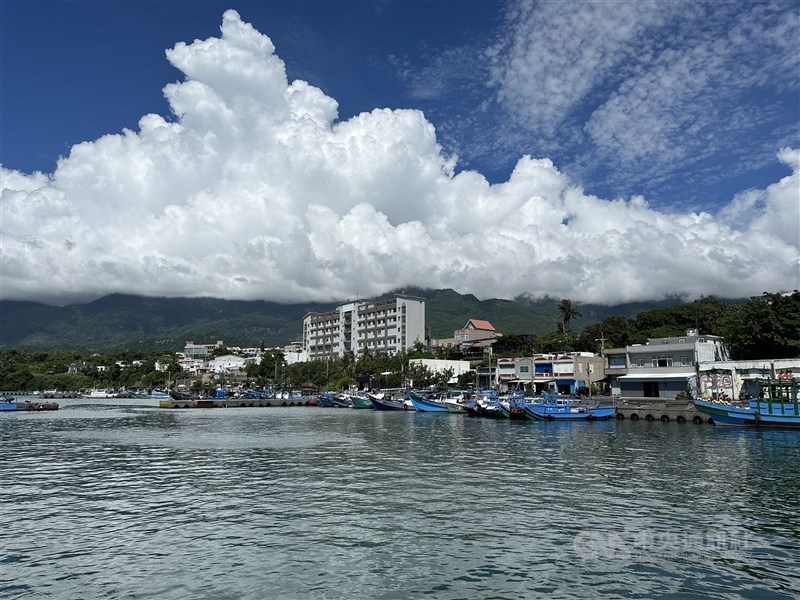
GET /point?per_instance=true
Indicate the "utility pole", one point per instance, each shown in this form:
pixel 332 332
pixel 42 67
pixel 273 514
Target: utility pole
pixel 589 378
pixel 602 340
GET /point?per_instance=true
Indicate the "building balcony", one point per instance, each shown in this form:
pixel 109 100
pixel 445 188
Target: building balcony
pixel 616 371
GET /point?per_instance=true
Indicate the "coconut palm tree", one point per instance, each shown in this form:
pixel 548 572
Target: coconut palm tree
pixel 567 311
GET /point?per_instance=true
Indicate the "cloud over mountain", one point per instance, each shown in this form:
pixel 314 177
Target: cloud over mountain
pixel 253 189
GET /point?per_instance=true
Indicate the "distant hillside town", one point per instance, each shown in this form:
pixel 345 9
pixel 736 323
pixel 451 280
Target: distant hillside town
pixel 689 365
pixel 706 348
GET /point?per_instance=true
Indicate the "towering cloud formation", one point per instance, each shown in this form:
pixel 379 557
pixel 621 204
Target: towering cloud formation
pixel 256 191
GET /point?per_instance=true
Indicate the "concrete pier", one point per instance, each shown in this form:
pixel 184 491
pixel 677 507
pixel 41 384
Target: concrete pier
pixel 657 409
pixel 231 402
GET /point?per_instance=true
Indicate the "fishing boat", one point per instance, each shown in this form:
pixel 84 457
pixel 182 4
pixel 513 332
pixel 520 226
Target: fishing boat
pixel 382 402
pixel 493 409
pixel 456 401
pixel 454 406
pixel 516 405
pixel 10 403
pixel 96 394
pixel 550 407
pixel 777 405
pixel 328 400
pixel 360 402
pixel 426 404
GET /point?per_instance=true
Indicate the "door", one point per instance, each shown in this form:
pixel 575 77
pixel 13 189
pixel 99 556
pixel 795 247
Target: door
pixel 650 389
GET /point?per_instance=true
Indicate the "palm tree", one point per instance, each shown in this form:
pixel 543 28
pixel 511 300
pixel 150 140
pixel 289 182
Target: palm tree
pixel 567 312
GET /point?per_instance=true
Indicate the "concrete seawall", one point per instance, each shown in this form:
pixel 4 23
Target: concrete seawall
pixel 657 409
pixel 231 402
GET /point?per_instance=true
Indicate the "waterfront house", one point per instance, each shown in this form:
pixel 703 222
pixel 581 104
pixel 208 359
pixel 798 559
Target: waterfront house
pixel 663 367
pixel 736 379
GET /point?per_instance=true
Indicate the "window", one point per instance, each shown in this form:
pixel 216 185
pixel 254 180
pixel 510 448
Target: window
pixel 523 369
pixel 662 361
pixel 686 361
pixel 639 362
pixel 618 362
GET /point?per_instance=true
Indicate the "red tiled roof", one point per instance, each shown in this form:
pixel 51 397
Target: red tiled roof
pixel 478 324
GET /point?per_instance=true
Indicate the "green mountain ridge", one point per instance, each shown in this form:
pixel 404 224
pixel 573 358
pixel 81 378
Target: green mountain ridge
pixel 128 322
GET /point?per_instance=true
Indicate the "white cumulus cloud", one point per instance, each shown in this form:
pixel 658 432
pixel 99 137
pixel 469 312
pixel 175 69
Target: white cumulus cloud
pixel 254 190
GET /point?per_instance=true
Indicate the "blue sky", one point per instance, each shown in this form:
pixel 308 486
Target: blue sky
pixel 684 108
pixel 73 71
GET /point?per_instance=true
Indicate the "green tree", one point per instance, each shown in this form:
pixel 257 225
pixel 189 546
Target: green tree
pixel 766 327
pixel 611 332
pixel 466 379
pixel 419 351
pixel 566 311
pixel 555 342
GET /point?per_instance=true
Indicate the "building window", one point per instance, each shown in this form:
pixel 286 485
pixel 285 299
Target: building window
pixel 523 369
pixel 662 361
pixel 686 361
pixel 618 362
pixel 639 362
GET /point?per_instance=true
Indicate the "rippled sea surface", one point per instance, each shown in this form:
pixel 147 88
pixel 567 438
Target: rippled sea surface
pixel 104 500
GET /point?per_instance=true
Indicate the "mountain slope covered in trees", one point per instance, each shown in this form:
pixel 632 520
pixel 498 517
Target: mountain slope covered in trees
pixel 123 322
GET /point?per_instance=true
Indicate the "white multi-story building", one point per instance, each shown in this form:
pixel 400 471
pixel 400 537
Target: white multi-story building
pixel 388 326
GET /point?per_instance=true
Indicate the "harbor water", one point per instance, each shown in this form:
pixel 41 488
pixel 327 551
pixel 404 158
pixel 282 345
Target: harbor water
pixel 115 499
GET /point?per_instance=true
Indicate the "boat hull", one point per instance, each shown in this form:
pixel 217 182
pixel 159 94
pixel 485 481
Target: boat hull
pixel 763 414
pixel 424 405
pixel 388 404
pixel 14 406
pixel 493 411
pixel 548 413
pixel 454 407
pixel 359 402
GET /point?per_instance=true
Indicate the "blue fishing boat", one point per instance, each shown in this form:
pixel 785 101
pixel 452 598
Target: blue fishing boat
pixel 328 400
pixel 549 407
pixel 10 403
pixel 381 402
pixel 426 404
pixel 777 405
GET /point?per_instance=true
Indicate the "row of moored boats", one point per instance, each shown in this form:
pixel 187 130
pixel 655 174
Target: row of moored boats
pixel 547 407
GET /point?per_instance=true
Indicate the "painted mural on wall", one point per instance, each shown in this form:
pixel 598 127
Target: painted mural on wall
pixel 716 385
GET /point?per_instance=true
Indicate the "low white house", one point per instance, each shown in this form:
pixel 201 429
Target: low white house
pixel 227 364
pixel 737 378
pixel 459 367
pixel 191 365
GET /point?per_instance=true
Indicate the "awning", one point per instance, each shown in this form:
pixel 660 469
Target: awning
pixel 638 377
